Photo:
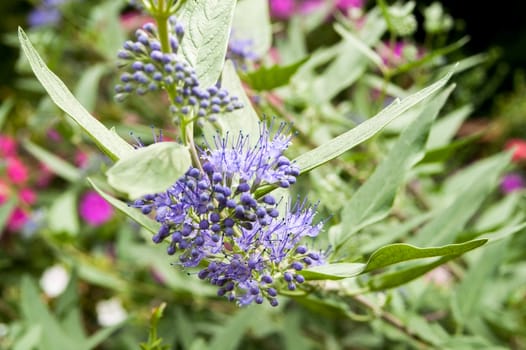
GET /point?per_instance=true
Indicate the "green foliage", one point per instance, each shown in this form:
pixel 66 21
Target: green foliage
pixel 207 29
pixel 149 169
pixel 268 78
pixel 420 250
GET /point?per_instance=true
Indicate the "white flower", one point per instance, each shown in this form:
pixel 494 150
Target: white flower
pixel 110 312
pixel 54 280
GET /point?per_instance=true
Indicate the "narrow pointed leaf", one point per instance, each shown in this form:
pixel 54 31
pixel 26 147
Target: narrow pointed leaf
pixel 109 142
pixel 395 253
pixel 57 165
pixel 365 130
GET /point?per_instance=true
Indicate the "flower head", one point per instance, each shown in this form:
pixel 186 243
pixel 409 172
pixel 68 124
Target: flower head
pixel 215 213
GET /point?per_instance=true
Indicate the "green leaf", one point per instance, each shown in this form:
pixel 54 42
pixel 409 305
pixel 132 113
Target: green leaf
pixel 365 130
pixel 56 164
pixel 443 153
pixel 245 119
pixel 87 88
pixel 229 336
pixel 133 213
pixel 361 46
pixel 268 78
pixel 445 128
pixel 69 299
pixel 430 57
pixel 109 142
pixel 207 29
pixel 62 216
pixel 503 233
pixel 374 199
pixel 473 185
pixel 252 22
pixel 349 65
pixel 36 313
pixel 101 335
pixel 30 339
pixel 5 109
pixel 150 169
pixel 333 271
pixel 499 213
pixel 466 299
pixel 395 253
pixel 395 279
pixel 96 275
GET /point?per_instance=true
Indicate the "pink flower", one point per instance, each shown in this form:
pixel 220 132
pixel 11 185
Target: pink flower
pixel 16 170
pixel 519 146
pixel 281 9
pixel 17 219
pixel 94 209
pixel 27 196
pixel 8 146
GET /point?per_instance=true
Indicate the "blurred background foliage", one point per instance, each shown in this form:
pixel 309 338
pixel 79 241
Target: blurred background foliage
pixel 74 274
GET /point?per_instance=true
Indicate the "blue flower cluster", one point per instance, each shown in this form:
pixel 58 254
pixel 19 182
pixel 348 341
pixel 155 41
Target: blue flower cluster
pixel 213 217
pixel 148 68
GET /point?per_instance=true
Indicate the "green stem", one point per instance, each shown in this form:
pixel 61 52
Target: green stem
pixel 161 18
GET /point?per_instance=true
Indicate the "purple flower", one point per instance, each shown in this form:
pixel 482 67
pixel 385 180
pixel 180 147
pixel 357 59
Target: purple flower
pixel 215 214
pixel 512 182
pixel 260 164
pixel 44 16
pixel 94 209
